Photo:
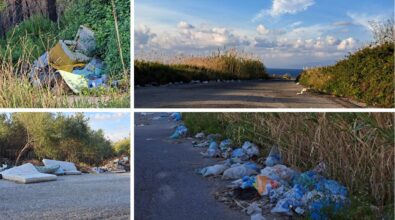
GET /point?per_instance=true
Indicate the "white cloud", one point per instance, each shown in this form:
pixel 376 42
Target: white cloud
pixel 198 37
pixel 364 19
pixel 108 116
pixel 142 36
pixel 262 29
pixel 280 7
pixel 348 43
pixel 185 25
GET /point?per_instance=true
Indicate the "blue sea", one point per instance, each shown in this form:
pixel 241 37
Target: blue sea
pixel 292 72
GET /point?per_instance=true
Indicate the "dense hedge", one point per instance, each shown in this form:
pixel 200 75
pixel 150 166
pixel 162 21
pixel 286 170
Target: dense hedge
pixel 367 76
pixel 153 72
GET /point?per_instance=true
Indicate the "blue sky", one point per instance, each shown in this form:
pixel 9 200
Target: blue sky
pixel 284 33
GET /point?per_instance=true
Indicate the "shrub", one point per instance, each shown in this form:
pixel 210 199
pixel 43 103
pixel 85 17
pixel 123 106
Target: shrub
pixel 122 147
pixel 367 76
pixel 227 66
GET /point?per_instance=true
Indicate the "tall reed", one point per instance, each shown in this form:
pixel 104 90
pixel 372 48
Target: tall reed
pixel 358 148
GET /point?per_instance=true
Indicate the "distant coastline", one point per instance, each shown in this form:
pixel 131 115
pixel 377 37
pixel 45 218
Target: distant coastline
pixel 277 71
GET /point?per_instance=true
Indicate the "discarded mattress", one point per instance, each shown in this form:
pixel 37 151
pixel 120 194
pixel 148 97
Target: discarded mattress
pixel 26 173
pixel 47 169
pixel 68 167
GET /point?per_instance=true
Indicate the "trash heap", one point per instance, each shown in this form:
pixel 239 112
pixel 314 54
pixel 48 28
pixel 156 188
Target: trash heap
pixel 72 62
pixel 287 192
pixel 118 165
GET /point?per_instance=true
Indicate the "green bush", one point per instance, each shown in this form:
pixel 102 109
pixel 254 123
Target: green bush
pixel 367 76
pixel 98 15
pixel 122 147
pixel 29 39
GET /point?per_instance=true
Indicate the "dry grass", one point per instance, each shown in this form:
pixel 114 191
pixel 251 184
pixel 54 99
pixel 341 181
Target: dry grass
pixel 358 148
pixel 16 91
pixel 230 64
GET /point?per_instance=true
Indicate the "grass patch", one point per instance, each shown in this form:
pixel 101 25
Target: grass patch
pixel 366 76
pixel 228 66
pixel 357 148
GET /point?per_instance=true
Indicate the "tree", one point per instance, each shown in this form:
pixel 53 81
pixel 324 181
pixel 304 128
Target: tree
pixel 383 32
pixel 52 10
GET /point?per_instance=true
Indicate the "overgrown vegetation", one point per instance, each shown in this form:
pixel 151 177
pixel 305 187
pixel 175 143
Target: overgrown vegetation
pixel 227 66
pixel 54 136
pixel 358 148
pixel 367 75
pixel 28 40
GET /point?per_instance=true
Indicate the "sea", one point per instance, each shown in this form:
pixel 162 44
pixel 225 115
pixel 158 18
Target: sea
pixel 292 72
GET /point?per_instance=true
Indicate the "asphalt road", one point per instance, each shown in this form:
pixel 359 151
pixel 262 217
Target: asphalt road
pixel 89 196
pixel 166 185
pixel 245 94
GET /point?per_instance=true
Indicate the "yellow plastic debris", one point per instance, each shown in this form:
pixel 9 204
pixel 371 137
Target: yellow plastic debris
pixel 61 57
pixel 74 81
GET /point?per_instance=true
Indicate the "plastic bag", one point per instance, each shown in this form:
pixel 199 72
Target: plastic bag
pixel 176 116
pixel 240 154
pixel 247 182
pixel 212 150
pixel 213 170
pixel 250 149
pixel 292 199
pixel 280 173
pixel 225 145
pixel 238 172
pixel 274 157
pixel 264 185
pixel 180 131
pixel 200 135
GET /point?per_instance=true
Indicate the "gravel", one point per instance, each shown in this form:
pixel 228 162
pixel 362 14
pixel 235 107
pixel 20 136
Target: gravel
pixel 88 196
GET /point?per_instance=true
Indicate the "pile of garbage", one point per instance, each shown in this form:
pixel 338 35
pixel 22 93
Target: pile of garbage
pixel 287 192
pixel 117 165
pixel 71 62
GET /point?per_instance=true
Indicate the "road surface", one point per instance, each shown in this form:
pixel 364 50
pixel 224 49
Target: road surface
pixel 166 184
pixel 89 196
pixel 245 94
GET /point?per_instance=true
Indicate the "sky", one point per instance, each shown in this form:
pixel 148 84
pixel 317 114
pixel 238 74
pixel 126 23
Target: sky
pixel 283 33
pixel 116 126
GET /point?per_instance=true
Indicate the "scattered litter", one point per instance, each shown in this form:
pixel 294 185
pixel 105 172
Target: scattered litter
pixel 239 171
pixel 176 116
pixel 98 170
pixel 212 150
pixel 280 173
pixel 200 135
pixel 213 170
pixel 274 157
pixel 264 185
pixel 250 149
pixel 180 131
pixel 118 165
pixel 239 153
